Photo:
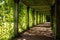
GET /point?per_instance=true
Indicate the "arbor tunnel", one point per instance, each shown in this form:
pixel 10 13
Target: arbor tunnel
pixel 28 20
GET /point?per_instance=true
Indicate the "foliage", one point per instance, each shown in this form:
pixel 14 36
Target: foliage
pixel 23 17
pixel 30 18
pixel 38 18
pixel 6 20
pixel 35 18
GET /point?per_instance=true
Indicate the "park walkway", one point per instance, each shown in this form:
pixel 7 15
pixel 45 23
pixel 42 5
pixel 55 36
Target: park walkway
pixel 39 32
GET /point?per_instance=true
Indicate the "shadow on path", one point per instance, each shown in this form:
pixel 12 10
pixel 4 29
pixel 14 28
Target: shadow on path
pixel 40 32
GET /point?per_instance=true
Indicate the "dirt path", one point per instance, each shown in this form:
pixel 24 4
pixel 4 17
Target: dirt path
pixel 40 32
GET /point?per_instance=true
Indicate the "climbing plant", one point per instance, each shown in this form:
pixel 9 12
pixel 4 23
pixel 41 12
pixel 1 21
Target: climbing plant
pixel 6 19
pixel 38 18
pixel 23 17
pixel 30 18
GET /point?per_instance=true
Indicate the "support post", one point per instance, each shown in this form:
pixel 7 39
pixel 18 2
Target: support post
pixel 33 16
pixel 58 19
pixel 16 3
pixel 28 16
pixel 52 15
pixel 41 18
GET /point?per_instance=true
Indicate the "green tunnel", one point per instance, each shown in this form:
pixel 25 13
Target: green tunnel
pixel 25 19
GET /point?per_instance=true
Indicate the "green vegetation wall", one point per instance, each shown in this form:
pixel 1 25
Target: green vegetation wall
pixel 30 17
pixel 23 17
pixel 53 18
pixel 6 19
pixel 38 18
pixel 41 17
pixel 54 24
pixel 35 18
pixel 44 17
pixel 26 20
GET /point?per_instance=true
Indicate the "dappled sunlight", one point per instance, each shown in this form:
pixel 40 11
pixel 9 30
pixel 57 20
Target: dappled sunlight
pixel 27 20
pixel 37 33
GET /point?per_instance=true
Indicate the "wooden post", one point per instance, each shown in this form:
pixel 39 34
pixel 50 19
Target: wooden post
pixel 33 16
pixel 41 17
pixel 28 17
pixel 58 19
pixel 52 15
pixel 16 3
